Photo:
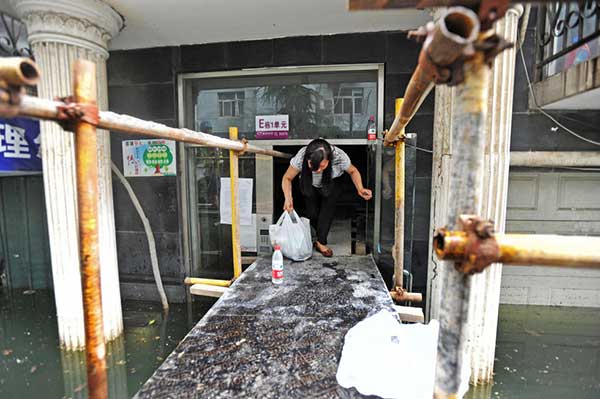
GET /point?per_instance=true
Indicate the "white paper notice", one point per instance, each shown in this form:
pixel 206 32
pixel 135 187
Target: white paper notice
pixel 248 236
pixel 244 201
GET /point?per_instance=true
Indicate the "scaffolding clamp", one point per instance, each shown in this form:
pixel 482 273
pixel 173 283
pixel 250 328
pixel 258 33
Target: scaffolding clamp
pixel 399 139
pixel 70 112
pixel 244 141
pixel 399 294
pixel 473 247
pixel 491 45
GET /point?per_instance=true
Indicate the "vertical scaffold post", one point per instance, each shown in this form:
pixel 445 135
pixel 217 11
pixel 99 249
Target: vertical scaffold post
pixel 235 217
pixel 85 91
pixel 468 138
pixel 398 253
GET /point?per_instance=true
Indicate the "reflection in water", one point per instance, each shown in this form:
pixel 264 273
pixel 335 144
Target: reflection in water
pixel 545 352
pixel 541 352
pixel 74 371
pixel 33 366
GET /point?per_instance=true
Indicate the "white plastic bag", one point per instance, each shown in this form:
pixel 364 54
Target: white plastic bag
pixel 372 356
pixel 292 234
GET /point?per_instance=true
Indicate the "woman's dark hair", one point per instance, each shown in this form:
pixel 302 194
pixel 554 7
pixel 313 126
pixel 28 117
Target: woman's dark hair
pixel 316 151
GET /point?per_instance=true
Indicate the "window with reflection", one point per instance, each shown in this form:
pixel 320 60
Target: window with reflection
pixel 319 104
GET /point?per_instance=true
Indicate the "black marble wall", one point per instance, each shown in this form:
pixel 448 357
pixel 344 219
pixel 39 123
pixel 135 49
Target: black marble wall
pixel 143 83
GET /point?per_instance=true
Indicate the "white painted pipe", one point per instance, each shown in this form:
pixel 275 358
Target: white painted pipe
pixel 149 236
pixel 550 159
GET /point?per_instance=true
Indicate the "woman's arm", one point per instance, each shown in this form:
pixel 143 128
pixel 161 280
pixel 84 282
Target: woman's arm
pixel 286 186
pixel 357 180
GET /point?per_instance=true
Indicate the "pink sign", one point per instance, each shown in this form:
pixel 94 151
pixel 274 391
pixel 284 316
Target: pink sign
pixel 272 127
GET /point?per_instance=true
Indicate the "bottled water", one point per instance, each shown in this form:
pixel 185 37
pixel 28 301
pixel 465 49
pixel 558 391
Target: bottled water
pixel 277 266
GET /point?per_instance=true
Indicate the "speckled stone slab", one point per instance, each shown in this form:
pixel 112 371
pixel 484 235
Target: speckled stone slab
pixel 266 341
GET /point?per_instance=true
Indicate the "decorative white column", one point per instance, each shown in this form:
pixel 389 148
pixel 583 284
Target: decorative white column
pixel 61 31
pixel 485 287
pixel 440 188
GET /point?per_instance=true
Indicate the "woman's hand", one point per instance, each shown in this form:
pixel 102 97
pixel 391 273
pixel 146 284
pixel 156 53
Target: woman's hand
pixel 365 194
pixel 288 205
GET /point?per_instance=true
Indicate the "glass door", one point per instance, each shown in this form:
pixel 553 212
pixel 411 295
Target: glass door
pixel 332 102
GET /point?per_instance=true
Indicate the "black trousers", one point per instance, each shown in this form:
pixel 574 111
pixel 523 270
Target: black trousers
pixel 320 209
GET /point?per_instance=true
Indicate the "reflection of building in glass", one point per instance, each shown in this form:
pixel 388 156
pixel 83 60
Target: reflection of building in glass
pixel 348 101
pixel 231 103
pixel 322 109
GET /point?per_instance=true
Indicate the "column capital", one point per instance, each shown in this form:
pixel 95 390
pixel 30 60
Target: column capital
pixel 84 23
pixel 516 9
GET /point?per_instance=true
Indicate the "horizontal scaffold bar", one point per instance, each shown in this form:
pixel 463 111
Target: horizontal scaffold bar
pixel 475 246
pixel 38 108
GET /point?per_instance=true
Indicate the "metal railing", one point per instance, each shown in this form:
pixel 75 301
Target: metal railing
pixel 79 114
pixel 565 32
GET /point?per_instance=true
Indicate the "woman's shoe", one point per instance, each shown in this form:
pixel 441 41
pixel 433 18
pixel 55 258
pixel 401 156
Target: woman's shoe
pixel 328 253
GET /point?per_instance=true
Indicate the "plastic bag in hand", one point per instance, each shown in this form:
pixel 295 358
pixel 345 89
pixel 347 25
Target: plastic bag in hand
pixel 292 234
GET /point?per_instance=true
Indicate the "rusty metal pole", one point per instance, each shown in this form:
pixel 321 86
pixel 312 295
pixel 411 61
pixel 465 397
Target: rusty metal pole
pixel 476 253
pixel 84 88
pixel 446 41
pixel 39 108
pixel 235 217
pixel 398 250
pixel 468 137
pixel 398 293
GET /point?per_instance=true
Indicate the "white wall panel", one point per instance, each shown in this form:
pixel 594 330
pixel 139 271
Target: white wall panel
pixel 552 203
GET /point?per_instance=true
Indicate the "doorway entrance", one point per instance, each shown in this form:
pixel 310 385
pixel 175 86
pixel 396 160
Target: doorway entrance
pixel 348 231
pixel 334 102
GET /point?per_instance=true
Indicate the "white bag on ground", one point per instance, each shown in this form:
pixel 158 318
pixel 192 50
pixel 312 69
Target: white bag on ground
pixel 292 234
pixel 386 358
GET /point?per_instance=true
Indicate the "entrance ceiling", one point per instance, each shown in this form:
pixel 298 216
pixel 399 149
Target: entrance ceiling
pixel 173 22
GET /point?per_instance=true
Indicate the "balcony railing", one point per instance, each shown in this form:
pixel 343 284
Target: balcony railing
pixel 568 34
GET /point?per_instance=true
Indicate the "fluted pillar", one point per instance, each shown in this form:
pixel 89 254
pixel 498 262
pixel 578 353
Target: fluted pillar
pixel 485 287
pixel 61 31
pixel 440 189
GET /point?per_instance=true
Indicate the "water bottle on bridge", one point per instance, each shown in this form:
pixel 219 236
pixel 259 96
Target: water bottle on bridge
pixel 277 266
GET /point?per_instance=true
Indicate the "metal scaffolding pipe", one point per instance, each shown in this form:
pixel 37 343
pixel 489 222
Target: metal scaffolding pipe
pixel 398 293
pixel 551 159
pixel 468 133
pixel 523 249
pixel 84 89
pixel 207 281
pixel 19 71
pixel 38 108
pixel 235 217
pixel 398 250
pixel 444 45
pixel 360 5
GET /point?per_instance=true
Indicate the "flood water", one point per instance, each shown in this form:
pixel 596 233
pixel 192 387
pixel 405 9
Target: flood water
pixel 33 366
pixel 541 352
pixel 545 352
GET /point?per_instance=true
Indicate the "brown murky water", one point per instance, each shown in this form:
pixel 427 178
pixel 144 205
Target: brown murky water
pixel 541 352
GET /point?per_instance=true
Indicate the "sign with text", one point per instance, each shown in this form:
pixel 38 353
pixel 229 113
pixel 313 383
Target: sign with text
pixel 20 141
pixel 149 158
pixel 272 127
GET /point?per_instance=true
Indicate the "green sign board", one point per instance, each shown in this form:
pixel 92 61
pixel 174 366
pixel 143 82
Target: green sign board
pixel 149 158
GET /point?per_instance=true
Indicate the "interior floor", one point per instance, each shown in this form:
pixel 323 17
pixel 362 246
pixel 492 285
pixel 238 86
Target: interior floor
pixel 340 239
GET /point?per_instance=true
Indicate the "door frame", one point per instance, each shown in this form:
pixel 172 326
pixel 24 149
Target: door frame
pixel 185 189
